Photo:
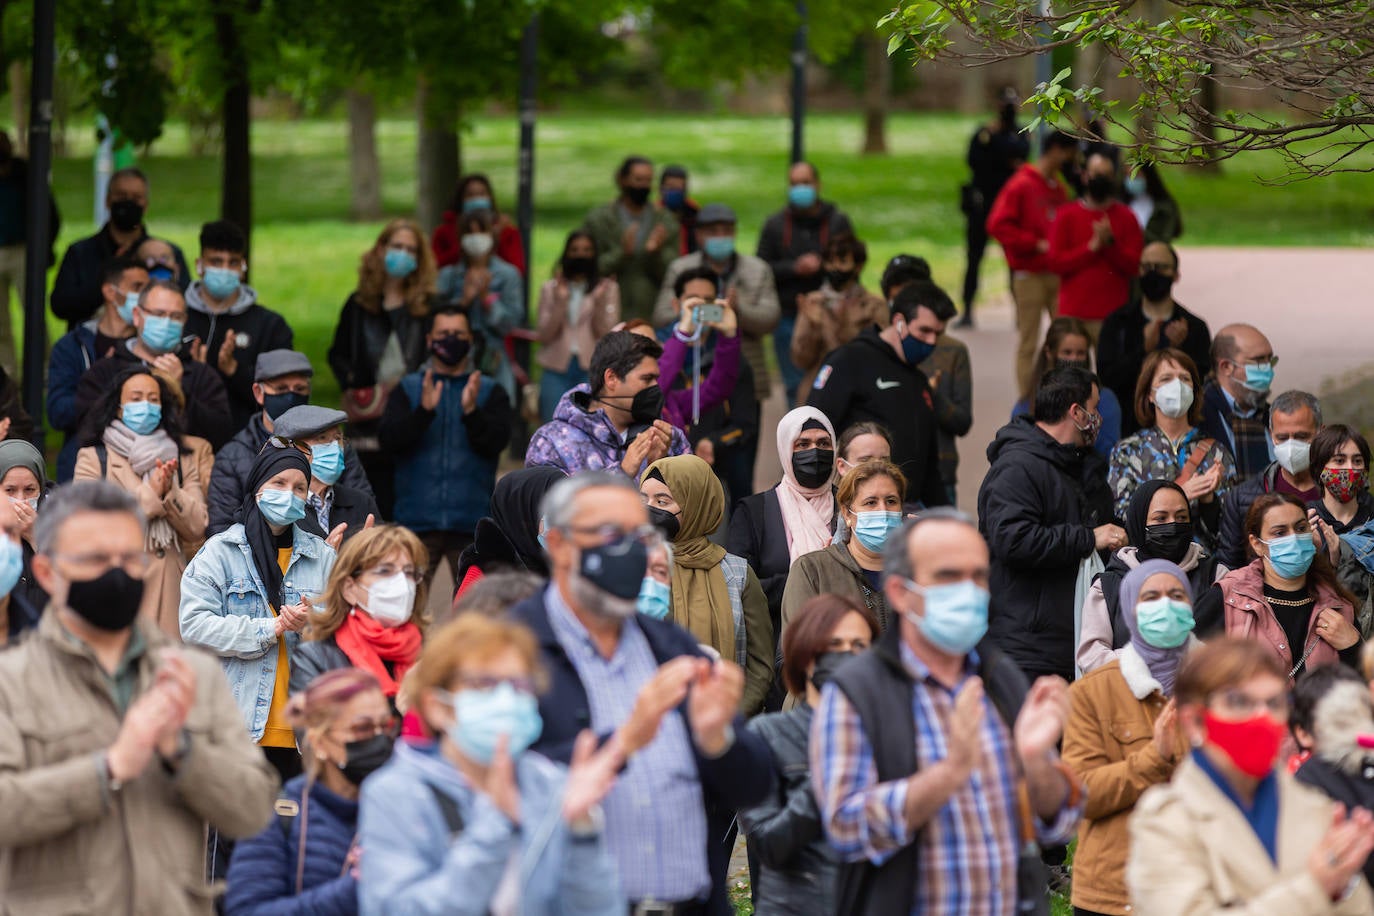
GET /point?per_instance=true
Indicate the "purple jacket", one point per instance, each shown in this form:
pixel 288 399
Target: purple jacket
pixel 715 388
pixel 581 439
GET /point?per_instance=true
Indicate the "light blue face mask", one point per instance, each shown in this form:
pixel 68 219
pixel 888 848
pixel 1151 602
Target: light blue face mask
pixel 655 599
pixel 11 564
pixel 142 417
pixel 872 528
pixel 1164 623
pixel 126 311
pixel 473 204
pixel 483 716
pixel 1258 378
pixel 160 333
pixel 399 263
pixel 220 282
pixel 802 196
pixel 1292 555
pixel 956 615
pixel 281 507
pixel 719 247
pixel 327 462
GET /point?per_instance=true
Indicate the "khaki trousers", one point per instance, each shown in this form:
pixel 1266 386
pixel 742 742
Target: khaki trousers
pixel 1035 295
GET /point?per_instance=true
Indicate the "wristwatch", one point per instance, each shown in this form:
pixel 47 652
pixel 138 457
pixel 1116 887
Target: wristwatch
pixel 172 763
pixel 111 783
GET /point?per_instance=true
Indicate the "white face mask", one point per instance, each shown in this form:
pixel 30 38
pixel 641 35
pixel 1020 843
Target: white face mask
pixel 391 600
pixel 477 244
pixel 1294 455
pixel 1174 397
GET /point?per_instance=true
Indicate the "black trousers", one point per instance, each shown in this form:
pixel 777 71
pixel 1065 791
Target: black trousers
pixel 975 245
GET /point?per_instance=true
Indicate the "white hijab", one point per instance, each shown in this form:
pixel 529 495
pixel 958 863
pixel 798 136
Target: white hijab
pixel 807 513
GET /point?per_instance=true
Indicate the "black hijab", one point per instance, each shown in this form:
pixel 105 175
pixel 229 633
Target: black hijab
pixel 270 462
pixel 1139 509
pixel 515 510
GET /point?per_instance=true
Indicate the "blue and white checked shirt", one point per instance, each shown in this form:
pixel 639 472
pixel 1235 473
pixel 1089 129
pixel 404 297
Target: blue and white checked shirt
pixel 655 815
pixel 968 850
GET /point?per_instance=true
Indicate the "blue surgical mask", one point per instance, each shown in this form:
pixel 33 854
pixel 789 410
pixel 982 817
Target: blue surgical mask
pixel 1291 555
pixel 718 247
pixel 916 350
pixel 281 507
pixel 327 462
pixel 141 417
pixel 399 263
pixel 956 615
pixel 872 528
pixel 473 204
pixel 674 198
pixel 160 273
pixel 161 333
pixel 126 311
pixel 655 599
pixel 801 196
pixel 11 564
pixel 220 282
pixel 1164 623
pixel 483 716
pixel 1258 378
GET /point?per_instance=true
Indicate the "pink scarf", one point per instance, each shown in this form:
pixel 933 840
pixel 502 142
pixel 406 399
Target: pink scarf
pixel 807 514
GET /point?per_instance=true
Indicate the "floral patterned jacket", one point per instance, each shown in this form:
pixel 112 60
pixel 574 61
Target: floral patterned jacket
pixel 1149 455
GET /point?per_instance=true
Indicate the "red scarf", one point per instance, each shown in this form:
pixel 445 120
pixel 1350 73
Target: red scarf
pixel 368 644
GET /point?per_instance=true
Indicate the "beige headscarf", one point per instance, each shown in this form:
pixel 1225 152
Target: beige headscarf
pixel 701 600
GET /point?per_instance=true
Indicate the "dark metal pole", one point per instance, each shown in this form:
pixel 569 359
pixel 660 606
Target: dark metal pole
pixel 39 219
pixel 799 83
pixel 529 85
pixel 1044 70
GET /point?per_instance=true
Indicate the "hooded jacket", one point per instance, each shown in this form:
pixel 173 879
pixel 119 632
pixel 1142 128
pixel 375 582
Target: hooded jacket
pixel 256 330
pixel 1037 509
pixel 581 437
pixel 786 236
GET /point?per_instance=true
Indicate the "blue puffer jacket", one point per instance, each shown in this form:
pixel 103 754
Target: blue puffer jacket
pixel 445 460
pixel 262 873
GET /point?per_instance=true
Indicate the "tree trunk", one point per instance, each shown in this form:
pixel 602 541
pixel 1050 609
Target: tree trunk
pixel 236 188
pixel 438 153
pixel 1207 100
pixel 364 168
pixel 19 107
pixel 877 93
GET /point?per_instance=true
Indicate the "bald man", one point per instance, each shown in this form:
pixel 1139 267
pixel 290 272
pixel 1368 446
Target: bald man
pixel 1235 403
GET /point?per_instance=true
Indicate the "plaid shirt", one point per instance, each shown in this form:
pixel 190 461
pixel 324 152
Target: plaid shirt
pixel 655 814
pixel 323 507
pixel 968 849
pixel 1249 432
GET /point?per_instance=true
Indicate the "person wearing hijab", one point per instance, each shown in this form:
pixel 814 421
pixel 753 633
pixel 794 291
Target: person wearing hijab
pixel 770 530
pixel 23 482
pixel 246 595
pixel 716 596
pixel 1122 735
pixel 130 441
pixel 509 539
pixel 1159 525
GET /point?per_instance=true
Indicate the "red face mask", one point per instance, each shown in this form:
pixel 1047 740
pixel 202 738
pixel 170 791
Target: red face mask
pixel 1345 483
pixel 1252 744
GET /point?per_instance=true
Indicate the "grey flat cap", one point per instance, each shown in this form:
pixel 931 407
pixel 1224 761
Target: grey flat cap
pixel 306 421
pixel 716 213
pixel 276 363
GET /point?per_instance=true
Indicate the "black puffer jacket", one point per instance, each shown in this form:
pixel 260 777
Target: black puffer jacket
pixel 1037 509
pixel 797 867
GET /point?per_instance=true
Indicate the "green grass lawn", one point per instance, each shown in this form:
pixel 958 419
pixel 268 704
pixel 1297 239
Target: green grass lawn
pixel 305 250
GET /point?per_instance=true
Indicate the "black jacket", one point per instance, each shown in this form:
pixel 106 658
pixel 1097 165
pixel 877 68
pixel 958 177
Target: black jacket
pixel 787 236
pixel 1235 505
pixel 361 337
pixel 742 776
pixel 1121 353
pixel 756 533
pixel 1201 578
pixel 311 659
pixel 233 462
pixel 351 507
pixel 76 291
pixel 491 552
pixel 1216 424
pixel 1350 789
pixel 207 405
pixel 797 868
pixel 257 330
pixel 16 178
pixel 1037 509
pixel 866 380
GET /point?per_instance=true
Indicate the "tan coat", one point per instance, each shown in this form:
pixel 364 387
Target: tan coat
pixel 819 333
pixel 1193 853
pixel 599 312
pixel 1109 743
pixel 184 509
pixel 67 845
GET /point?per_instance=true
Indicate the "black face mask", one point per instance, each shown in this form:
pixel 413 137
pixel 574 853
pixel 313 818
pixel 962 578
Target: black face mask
pixel 827 663
pixel 578 267
pixel 637 196
pixel 839 279
pixel 278 404
pixel 1076 363
pixel 666 522
pixel 451 351
pixel 616 570
pixel 813 466
pixel 1101 188
pixel 1168 542
pixel 126 214
pixel 109 602
pixel 646 406
pixel 1156 286
pixel 363 758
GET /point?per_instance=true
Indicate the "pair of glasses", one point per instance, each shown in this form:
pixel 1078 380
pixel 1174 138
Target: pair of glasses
pixel 1241 704
pixel 386 571
pixel 362 728
pixel 491 682
pixel 617 538
pixel 87 566
pixel 1261 361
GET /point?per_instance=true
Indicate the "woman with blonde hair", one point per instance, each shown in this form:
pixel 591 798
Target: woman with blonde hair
pixel 373 611
pixel 305 861
pixel 381 337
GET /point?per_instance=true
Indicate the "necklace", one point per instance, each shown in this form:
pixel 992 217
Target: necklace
pixel 1286 602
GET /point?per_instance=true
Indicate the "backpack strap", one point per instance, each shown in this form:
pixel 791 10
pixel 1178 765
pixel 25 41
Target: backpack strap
pixel 1201 449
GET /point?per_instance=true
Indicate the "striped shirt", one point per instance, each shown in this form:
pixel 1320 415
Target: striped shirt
pixel 655 815
pixel 968 849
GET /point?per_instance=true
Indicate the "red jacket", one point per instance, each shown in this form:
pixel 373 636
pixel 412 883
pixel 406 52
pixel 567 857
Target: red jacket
pixel 1094 284
pixel 1022 215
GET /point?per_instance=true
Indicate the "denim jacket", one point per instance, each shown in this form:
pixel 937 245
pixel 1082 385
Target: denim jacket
pixel 224 608
pixel 415 865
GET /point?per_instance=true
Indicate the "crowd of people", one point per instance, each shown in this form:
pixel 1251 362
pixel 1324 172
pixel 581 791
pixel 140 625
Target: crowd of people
pixel 222 685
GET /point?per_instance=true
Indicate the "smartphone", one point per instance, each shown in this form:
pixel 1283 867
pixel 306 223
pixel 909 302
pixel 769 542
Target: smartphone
pixel 706 314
